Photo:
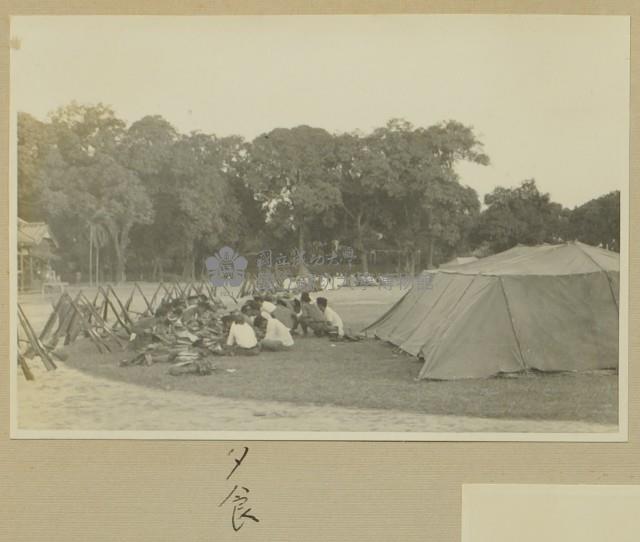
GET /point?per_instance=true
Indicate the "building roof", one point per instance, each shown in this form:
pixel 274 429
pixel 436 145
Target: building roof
pixel 31 234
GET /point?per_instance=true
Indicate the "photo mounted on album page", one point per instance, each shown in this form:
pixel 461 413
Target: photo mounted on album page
pixel 344 227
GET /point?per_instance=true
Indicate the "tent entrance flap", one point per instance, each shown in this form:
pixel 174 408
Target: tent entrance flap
pixel 478 341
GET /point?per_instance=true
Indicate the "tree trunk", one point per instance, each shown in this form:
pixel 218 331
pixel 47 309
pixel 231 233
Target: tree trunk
pixel 158 270
pixel 119 249
pixel 431 239
pixel 431 248
pixel 90 255
pixel 301 266
pixel 411 260
pixel 188 267
pixel 120 242
pixel 360 248
pixel 120 275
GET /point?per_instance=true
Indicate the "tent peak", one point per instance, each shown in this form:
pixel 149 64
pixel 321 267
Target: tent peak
pixel 568 258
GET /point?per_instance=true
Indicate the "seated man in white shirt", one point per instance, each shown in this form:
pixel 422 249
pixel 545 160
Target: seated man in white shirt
pixel 242 338
pixel 276 335
pixel 332 317
pixel 265 306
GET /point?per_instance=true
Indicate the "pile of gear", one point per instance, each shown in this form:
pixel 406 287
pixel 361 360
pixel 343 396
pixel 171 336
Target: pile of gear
pixel 187 332
pixel 185 325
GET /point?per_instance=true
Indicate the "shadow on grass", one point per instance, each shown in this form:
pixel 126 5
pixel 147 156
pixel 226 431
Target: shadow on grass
pixel 371 374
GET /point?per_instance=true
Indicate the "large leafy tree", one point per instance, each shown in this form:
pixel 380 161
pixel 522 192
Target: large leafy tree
pixel 205 205
pixel 597 222
pixel 292 174
pixel 363 171
pixel 85 183
pixel 427 205
pixel 192 181
pixel 520 215
pixel 35 140
pixel 244 215
pixel 147 148
pixel 166 198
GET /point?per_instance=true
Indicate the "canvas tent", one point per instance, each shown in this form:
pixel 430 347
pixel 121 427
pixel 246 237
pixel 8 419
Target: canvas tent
pixel 460 260
pixel 546 308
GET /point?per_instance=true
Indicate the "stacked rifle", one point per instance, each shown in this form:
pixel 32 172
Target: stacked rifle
pixel 180 323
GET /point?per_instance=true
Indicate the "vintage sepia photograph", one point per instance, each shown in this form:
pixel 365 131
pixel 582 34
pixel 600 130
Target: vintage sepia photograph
pixel 382 227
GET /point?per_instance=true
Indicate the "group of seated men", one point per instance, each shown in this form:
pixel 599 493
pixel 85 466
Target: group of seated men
pixel 275 321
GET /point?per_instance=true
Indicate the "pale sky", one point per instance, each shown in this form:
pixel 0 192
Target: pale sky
pixel 548 95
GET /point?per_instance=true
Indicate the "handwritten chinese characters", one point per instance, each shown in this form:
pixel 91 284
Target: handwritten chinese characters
pixel 238 497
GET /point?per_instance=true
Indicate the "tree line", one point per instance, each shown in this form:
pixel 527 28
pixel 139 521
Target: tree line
pixel 156 201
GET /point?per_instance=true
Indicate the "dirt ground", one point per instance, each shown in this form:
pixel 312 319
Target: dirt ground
pixel 67 399
pixel 102 396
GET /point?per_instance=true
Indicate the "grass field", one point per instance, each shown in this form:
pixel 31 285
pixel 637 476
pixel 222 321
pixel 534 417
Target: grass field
pixel 371 374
